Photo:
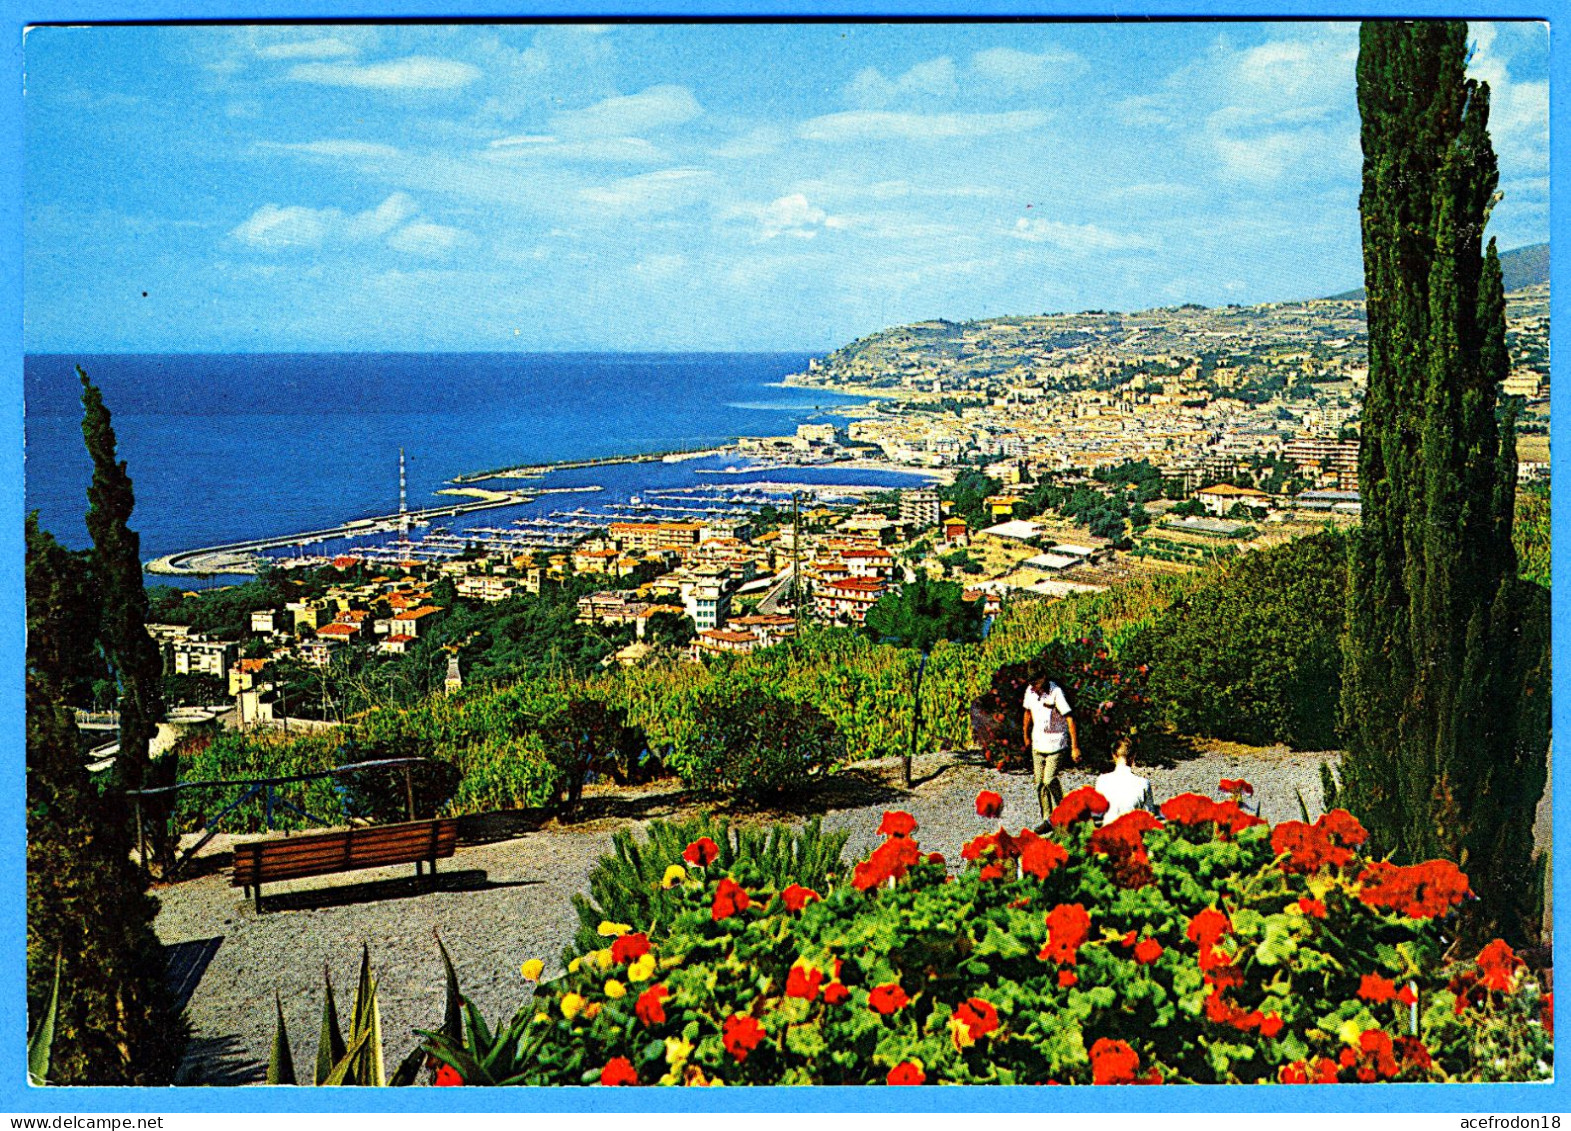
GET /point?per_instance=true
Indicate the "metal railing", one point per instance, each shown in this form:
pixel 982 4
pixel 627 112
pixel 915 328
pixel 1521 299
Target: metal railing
pixel 266 789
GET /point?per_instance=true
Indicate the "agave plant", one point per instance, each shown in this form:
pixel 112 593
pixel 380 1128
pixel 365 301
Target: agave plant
pixel 41 1044
pixel 353 1060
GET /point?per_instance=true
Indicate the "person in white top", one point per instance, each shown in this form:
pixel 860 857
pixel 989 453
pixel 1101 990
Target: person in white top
pixel 1049 728
pixel 1124 789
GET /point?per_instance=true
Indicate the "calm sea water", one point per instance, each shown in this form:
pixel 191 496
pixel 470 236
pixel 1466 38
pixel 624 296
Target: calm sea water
pixel 225 447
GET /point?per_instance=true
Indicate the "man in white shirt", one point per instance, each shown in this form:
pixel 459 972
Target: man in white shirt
pixel 1049 728
pixel 1124 789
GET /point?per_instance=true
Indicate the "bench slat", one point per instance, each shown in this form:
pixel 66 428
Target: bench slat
pixel 315 854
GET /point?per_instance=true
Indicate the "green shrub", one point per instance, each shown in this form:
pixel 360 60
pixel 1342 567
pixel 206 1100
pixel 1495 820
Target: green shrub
pixel 387 794
pixel 1254 654
pixel 631 885
pixel 750 742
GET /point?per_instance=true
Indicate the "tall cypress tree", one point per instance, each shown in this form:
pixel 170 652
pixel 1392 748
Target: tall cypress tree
pixel 85 899
pixel 1445 691
pixel 117 571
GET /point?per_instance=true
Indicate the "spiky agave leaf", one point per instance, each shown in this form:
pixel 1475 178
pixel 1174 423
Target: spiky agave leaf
pixel 280 1063
pixel 330 1047
pixel 41 1044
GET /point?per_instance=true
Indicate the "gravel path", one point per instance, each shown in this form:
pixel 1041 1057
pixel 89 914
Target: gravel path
pixel 508 898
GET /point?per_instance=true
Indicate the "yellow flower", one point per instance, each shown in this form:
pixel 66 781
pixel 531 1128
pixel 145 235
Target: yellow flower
pixel 611 930
pixel 572 1005
pixel 674 875
pixel 572 967
pixel 1350 1032
pixel 542 1017
pixel 677 1050
pixel 615 990
pixel 642 970
pixel 532 969
pixel 961 1032
pixel 603 958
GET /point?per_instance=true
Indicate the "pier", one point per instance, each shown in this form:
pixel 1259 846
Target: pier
pixel 535 471
pixel 240 557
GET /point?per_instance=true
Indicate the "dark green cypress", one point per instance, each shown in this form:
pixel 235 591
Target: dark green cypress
pixel 85 897
pixel 117 572
pixel 1445 692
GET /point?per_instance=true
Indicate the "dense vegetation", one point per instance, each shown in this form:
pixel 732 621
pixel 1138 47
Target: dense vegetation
pixel 1255 655
pixel 1446 684
pixel 1204 947
pixel 91 949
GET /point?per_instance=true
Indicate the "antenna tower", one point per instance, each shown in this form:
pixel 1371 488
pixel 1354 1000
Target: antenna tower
pixel 403 499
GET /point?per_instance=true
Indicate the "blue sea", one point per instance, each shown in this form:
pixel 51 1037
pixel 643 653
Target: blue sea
pixel 226 447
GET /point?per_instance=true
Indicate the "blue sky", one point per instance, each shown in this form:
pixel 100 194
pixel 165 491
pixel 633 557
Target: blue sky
pixel 695 187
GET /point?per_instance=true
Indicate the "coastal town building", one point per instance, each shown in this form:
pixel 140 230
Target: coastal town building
pixel 1220 498
pixel 199 655
pixel 919 508
pixel 848 599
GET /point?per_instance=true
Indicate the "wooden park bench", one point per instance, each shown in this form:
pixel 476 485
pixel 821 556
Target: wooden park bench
pixel 320 854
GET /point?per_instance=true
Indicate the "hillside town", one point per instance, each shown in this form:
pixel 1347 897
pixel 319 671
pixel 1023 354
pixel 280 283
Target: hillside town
pixel 1199 432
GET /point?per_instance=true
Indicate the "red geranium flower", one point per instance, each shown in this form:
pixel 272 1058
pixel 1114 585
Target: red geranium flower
pixel 1040 856
pixel 730 898
pixel 1067 978
pixel 1547 1014
pixel 1419 891
pixel 907 1073
pixel 630 948
pixel 978 1016
pixel 897 822
pixel 618 1072
pixel 887 998
pixel 989 804
pixel 1312 907
pixel 1376 989
pixel 1272 1025
pixel 1295 1073
pixel 649 1007
pixel 1497 962
pixel 1206 928
pixel 1113 1062
pixel 1326 1071
pixel 1147 951
pixel 803 982
pixel 890 860
pixel 1377 1044
pixel 701 852
pixel 1236 785
pixel 1067 927
pixel 447 1077
pixel 1082 803
pixel 741 1034
pixel 1344 826
pixel 935 858
pixel 797 897
pixel 835 993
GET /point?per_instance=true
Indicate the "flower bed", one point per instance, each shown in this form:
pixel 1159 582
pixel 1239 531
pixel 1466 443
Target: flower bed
pixel 1201 946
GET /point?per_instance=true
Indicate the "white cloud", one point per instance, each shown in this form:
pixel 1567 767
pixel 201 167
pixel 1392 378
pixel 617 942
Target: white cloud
pixel 656 108
pixel 649 192
pixel 307 49
pixel 1016 71
pixel 790 215
pixel 294 226
pixel 417 72
pixel 1518 111
pixel 549 146
pixel 1075 237
pixel 382 219
pixel 425 239
pixel 275 227
pixel 337 147
pixel 871 90
pixel 885 125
